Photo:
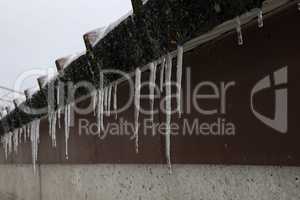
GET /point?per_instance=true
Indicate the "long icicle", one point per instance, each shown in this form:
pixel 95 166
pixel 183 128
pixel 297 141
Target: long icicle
pixel 99 111
pixel 153 67
pixel 35 138
pixel 67 128
pixel 33 143
pixel 102 109
pixel 53 128
pixel 179 79
pixel 168 110
pixel 58 105
pixel 37 133
pixel 137 107
pixel 105 99
pixel 52 115
pixel 101 103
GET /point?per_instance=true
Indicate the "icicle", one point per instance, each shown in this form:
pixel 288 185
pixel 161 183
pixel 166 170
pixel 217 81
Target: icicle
pixel 162 71
pixel 100 104
pixel 28 131
pixel 179 78
pixel 58 106
pixel 16 140
pixel 10 146
pixel 239 31
pixel 168 109
pixel 109 100
pixel 57 96
pixel 52 127
pixel 153 67
pixel 260 19
pixel 20 134
pixel 6 146
pixel 67 127
pixel 105 100
pixel 24 133
pixel 137 107
pixel 99 111
pixel 35 139
pixel 102 93
pixel 50 122
pixel 94 101
pixel 115 100
pixel 52 117
pixel 2 140
pixel 49 101
pixel 7 143
pixel 59 117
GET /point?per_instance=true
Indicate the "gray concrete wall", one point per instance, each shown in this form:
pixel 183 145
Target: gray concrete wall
pixel 131 182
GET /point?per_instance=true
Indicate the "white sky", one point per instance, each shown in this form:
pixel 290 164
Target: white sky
pixel 34 33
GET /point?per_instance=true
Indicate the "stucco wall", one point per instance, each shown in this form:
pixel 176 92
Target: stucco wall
pixel 149 182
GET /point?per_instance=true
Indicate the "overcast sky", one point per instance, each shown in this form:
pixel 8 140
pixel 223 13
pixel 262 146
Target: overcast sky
pixel 34 33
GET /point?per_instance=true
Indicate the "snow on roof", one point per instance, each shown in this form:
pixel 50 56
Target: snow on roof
pixel 64 62
pixel 96 35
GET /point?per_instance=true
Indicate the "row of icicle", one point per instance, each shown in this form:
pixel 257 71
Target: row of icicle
pixel 102 103
pixel 165 84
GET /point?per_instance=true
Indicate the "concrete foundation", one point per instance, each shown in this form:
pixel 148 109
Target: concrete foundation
pixel 148 182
